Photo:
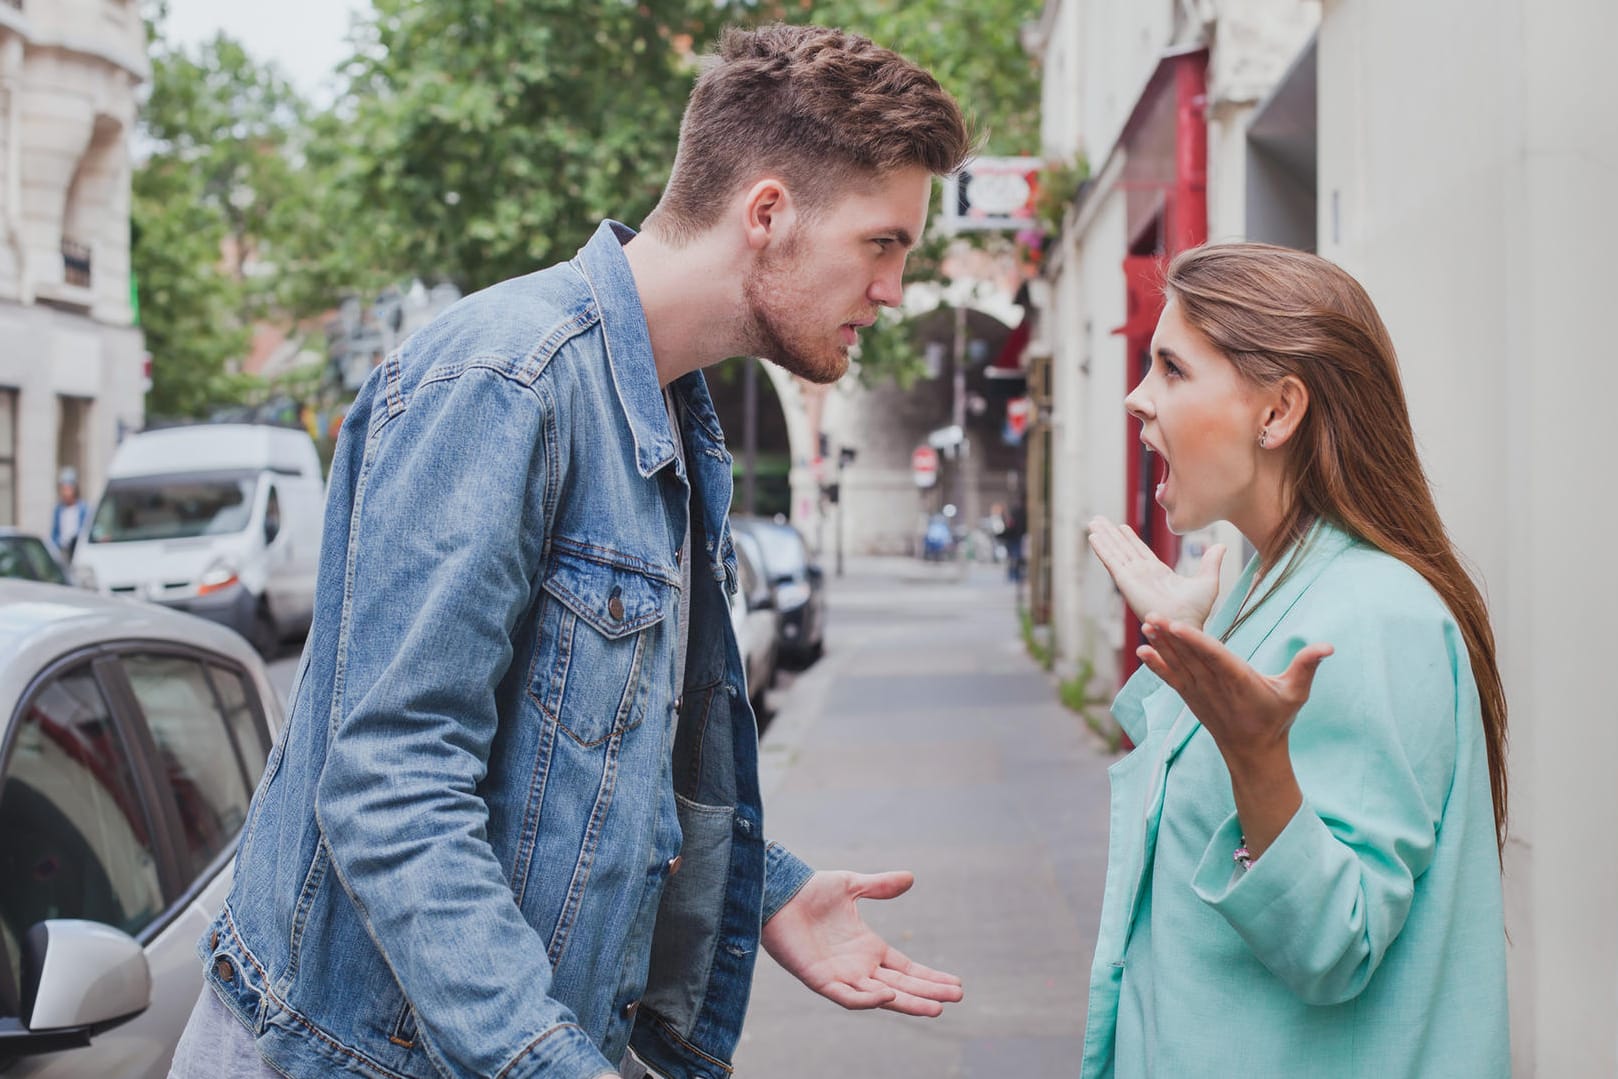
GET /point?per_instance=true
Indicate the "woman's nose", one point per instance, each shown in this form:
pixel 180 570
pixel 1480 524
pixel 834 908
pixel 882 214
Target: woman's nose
pixel 1137 404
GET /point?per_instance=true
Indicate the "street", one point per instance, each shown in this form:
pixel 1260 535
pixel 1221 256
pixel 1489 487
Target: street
pixel 927 740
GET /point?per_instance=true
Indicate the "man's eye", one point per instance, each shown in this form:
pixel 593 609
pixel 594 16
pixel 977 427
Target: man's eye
pixel 883 242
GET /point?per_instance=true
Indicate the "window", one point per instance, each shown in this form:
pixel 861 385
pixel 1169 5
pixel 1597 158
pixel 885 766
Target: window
pixel 237 698
pixel 74 842
pixel 174 507
pixel 8 457
pixel 195 751
pixel 72 427
pixel 27 558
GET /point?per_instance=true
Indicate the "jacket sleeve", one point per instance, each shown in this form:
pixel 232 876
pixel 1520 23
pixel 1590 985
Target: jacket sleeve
pixel 448 529
pixel 785 874
pixel 1374 750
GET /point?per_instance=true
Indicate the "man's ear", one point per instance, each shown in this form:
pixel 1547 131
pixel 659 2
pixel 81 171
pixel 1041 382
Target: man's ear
pixel 1287 406
pixel 768 213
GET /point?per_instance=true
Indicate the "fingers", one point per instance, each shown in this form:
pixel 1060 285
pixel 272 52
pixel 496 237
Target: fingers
pixel 880 885
pixel 909 984
pixel 898 961
pixel 869 993
pixel 1299 677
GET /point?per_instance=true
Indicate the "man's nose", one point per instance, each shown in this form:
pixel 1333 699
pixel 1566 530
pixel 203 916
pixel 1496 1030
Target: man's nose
pixel 887 288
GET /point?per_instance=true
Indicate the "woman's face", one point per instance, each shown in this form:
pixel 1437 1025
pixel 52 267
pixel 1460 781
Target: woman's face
pixel 1202 420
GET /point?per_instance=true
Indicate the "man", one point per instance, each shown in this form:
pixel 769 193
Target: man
pixel 68 520
pixel 513 827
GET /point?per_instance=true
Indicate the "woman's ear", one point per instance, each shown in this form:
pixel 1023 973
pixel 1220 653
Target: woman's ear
pixel 1289 403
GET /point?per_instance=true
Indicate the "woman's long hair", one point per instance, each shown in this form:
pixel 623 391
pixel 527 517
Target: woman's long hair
pixel 1275 312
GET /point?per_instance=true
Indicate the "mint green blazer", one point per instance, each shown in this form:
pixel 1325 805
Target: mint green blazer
pixel 1369 939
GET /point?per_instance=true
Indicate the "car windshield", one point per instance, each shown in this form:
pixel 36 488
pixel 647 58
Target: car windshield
pixel 174 507
pixel 783 550
pixel 26 557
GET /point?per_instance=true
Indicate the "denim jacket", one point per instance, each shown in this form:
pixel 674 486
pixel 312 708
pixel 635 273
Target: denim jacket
pixel 492 840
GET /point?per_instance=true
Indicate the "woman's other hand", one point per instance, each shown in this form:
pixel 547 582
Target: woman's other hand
pixel 1149 586
pixel 1248 714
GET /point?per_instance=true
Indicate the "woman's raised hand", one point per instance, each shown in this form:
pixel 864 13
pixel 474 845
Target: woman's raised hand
pixel 1149 586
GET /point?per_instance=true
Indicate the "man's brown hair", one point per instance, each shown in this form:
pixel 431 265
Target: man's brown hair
pixel 818 108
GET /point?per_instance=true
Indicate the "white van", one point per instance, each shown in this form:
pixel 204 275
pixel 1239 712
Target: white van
pixel 221 520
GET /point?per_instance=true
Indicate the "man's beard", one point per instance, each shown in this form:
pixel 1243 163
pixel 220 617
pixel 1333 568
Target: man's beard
pixel 781 330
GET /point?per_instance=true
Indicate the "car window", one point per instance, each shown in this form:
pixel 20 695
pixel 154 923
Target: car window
pixel 783 550
pixel 237 697
pixel 27 558
pixel 194 749
pixel 74 841
pixel 174 507
pixel 45 567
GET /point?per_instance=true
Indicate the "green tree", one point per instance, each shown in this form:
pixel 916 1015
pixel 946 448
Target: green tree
pixel 973 48
pixel 213 208
pixel 495 134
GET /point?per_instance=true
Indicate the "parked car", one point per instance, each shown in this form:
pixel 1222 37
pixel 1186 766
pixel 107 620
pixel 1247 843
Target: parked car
pixel 131 739
pixel 756 621
pixel 796 583
pixel 220 520
pixel 29 558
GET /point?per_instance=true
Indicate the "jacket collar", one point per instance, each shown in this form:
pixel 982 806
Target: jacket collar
pixel 1318 548
pixel 629 355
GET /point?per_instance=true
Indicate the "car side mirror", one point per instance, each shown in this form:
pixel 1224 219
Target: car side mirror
pixel 761 600
pixel 816 574
pixel 272 528
pixel 79 979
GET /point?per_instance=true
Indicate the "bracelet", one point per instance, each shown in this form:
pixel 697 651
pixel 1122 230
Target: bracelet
pixel 1242 856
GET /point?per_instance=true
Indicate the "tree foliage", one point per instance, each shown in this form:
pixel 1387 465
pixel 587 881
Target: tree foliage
pixel 474 140
pixel 495 134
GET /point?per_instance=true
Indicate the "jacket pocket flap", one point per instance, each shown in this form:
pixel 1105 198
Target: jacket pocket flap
pixel 615 600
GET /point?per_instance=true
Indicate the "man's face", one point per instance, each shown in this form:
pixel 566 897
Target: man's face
pixel 813 290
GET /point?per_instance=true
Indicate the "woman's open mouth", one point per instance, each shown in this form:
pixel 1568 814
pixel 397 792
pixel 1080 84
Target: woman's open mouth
pixel 1162 475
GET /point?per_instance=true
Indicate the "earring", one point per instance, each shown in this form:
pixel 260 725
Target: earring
pixel 1264 438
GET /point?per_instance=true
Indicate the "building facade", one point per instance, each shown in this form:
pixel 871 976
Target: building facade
pixel 1455 158
pixel 72 366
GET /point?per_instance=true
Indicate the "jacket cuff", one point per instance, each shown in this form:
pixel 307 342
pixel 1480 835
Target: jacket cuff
pixel 785 874
pixel 562 1052
pixel 1245 896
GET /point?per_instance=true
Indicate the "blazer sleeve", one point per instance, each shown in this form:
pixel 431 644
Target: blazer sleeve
pixel 1374 750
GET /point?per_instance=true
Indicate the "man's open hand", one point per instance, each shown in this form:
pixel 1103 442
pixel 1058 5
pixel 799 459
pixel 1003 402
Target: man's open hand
pixel 820 937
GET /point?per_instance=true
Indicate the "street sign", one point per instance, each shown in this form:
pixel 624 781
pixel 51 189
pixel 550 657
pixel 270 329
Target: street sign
pixel 924 466
pixel 994 193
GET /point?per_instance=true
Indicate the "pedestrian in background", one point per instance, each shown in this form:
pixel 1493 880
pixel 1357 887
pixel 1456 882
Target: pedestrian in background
pixel 513 825
pixel 1304 877
pixel 69 519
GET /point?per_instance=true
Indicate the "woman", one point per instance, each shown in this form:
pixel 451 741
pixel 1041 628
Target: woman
pixel 1304 878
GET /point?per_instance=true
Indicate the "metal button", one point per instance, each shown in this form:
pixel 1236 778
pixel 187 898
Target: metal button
pixel 226 972
pixel 615 607
pixel 675 863
pixel 630 1009
pixel 679 703
pixel 213 941
pixel 679 555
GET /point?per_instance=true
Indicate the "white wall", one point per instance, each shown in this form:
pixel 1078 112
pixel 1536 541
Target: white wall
pixel 1468 154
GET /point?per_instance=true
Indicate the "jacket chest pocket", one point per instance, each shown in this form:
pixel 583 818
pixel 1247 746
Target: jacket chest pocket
pixel 597 632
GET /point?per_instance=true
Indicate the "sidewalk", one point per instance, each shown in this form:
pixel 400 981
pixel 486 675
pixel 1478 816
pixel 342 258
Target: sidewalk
pixel 928 740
